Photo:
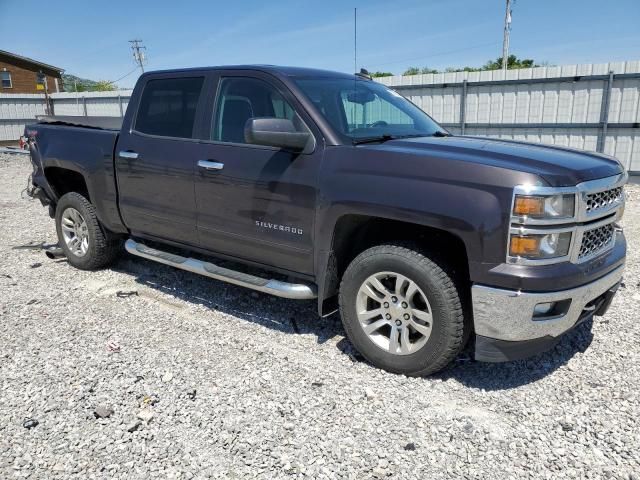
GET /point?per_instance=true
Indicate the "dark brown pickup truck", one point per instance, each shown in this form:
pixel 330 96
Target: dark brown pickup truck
pixel 337 188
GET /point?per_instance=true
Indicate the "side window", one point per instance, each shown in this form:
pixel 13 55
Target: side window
pixel 41 81
pixel 5 77
pixel 168 107
pixel 240 99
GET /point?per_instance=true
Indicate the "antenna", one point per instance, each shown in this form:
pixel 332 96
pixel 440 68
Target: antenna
pixel 355 40
pixel 138 53
pixel 355 62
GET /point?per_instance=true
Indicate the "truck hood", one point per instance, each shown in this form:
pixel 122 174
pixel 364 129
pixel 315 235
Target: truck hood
pixel 558 166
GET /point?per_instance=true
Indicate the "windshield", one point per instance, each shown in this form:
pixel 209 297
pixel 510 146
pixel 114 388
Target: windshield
pixel 361 109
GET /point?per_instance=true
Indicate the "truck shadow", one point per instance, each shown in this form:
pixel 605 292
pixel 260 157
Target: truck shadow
pixel 508 375
pixel 287 316
pixel 300 318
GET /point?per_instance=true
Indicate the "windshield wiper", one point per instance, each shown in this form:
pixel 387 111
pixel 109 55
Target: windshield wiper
pixel 386 137
pixel 440 133
pixel 381 138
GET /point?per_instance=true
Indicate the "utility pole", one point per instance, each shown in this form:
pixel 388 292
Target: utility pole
pixel 138 53
pixel 505 41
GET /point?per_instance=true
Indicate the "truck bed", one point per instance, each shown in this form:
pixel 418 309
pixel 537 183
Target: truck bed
pixel 84 145
pixel 101 123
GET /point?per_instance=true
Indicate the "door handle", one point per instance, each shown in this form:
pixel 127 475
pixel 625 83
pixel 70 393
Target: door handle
pixel 129 155
pixel 209 165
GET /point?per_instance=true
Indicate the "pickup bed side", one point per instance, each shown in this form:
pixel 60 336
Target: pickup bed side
pixel 88 153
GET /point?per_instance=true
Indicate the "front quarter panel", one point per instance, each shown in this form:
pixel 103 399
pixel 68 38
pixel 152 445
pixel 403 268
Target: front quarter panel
pixel 469 200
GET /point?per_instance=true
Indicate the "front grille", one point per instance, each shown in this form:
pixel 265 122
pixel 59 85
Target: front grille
pixel 596 201
pixel 596 240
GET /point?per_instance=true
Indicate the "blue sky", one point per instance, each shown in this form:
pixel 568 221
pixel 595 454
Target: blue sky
pixel 92 42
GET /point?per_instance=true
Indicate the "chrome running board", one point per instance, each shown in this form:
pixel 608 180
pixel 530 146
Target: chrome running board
pixel 296 291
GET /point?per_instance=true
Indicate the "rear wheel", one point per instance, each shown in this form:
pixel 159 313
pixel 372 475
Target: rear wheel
pixel 402 310
pixel 86 243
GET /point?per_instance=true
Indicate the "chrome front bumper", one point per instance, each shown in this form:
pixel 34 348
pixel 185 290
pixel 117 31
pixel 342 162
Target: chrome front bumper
pixel 508 315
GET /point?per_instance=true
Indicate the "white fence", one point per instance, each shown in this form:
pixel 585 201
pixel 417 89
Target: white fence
pixel 592 107
pixel 17 110
pixel 93 104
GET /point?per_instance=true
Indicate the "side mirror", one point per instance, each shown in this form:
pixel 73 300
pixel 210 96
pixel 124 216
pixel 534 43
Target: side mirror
pixel 275 132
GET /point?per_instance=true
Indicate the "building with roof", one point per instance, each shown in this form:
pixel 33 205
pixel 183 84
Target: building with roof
pixel 20 74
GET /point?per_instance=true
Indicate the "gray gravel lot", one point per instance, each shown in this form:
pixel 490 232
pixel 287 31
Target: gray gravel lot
pixel 234 384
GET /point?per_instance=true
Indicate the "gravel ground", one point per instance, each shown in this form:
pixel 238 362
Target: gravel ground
pixel 200 379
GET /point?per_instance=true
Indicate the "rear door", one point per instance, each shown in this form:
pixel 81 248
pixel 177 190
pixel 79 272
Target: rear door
pixel 156 157
pixel 256 203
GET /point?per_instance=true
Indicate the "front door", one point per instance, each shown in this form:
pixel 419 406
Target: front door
pixel 254 202
pixel 156 160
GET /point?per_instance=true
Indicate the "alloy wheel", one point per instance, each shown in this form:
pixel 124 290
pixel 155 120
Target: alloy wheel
pixel 75 232
pixel 394 313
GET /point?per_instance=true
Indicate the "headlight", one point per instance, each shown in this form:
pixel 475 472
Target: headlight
pixel 542 207
pixel 539 246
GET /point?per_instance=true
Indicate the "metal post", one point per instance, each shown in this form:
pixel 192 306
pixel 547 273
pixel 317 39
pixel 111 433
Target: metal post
pixel 463 106
pixel 84 105
pixel 120 105
pixel 46 97
pixel 604 112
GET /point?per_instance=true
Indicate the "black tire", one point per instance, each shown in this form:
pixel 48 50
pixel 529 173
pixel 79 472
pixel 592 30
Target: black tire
pixel 104 246
pixel 449 329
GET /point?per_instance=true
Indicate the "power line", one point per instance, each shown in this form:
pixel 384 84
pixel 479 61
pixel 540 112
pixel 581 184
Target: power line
pixel 125 76
pixel 138 53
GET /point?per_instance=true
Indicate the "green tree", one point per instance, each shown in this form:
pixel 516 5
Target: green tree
pixel 418 70
pixel 411 71
pixel 71 83
pixel 513 62
pixel 104 86
pixel 381 74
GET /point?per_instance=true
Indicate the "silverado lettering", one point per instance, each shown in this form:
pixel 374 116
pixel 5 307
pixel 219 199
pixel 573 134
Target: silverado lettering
pixel 282 228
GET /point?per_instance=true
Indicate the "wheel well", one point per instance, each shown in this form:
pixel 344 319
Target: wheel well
pixel 64 181
pixel 356 233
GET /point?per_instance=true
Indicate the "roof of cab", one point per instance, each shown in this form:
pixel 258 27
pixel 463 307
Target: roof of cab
pixel 273 69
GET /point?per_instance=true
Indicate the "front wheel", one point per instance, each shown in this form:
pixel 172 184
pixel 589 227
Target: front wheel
pixel 402 310
pixel 86 243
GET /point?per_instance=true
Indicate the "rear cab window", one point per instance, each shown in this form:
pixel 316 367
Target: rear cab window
pixel 168 107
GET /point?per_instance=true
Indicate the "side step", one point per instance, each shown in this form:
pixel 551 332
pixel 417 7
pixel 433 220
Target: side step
pixel 296 291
